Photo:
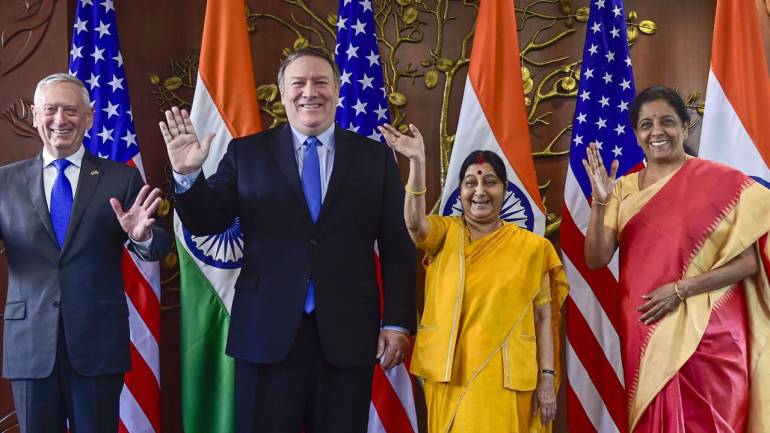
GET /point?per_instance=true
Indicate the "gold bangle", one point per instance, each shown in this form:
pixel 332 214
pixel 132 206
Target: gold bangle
pixel 416 193
pixel 599 203
pixel 678 293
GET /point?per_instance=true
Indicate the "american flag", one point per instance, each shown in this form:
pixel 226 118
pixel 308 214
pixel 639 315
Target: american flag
pixel 595 392
pixel 95 58
pixel 362 107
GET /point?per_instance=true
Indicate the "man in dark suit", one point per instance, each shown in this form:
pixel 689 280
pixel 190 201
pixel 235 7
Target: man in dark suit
pixel 312 198
pixel 66 336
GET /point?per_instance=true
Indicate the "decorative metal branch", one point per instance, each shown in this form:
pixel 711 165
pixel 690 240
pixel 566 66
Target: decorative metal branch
pixel 404 23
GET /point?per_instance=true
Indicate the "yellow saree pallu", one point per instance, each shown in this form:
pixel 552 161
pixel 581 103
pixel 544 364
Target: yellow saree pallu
pixel 706 366
pixel 476 347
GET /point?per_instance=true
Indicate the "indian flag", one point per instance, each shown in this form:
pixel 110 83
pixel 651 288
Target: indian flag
pixel 225 103
pixel 738 93
pixel 493 117
pixel 735 133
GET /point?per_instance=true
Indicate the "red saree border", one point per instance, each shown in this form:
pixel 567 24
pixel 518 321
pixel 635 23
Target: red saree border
pixel 661 240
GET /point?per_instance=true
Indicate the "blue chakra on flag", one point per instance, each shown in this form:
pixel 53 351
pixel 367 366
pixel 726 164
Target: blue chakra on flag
pixel 224 250
pixel 516 207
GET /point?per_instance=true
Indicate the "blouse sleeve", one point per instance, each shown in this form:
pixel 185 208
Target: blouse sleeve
pixel 611 210
pixel 543 296
pixel 437 229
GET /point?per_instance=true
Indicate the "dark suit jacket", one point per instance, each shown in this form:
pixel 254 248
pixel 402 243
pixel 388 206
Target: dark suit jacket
pixel 82 281
pixel 258 181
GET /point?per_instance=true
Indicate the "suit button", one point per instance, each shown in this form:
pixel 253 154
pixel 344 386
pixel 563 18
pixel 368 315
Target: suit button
pixel 313 242
pixel 56 304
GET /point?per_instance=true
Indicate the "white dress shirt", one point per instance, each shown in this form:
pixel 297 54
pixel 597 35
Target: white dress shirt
pixel 73 174
pixel 183 182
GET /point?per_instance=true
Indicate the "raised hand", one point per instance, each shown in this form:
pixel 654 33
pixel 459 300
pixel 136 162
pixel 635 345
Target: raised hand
pixel 411 147
pixel 601 183
pixel 138 219
pixel 184 151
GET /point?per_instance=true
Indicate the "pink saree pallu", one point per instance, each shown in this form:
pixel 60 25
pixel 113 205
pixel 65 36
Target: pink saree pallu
pixel 707 389
pixel 710 393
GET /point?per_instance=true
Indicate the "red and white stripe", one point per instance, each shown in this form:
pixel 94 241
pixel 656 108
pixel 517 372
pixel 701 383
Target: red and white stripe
pixel 595 392
pixel 140 398
pixel 392 408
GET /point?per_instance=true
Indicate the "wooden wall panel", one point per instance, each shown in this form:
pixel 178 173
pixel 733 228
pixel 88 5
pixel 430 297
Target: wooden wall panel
pixel 24 59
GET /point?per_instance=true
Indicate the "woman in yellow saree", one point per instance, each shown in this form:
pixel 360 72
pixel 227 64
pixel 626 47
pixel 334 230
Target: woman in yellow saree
pixel 693 269
pixel 485 345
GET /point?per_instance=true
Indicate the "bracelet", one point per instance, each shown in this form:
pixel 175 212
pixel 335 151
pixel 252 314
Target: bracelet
pixel 416 193
pixel 551 372
pixel 678 293
pixel 600 203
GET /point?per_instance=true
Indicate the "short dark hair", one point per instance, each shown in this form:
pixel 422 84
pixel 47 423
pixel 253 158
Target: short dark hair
pixel 656 93
pixel 489 157
pixel 312 52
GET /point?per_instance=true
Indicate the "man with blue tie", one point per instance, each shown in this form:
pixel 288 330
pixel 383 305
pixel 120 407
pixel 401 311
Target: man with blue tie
pixel 64 225
pixel 312 198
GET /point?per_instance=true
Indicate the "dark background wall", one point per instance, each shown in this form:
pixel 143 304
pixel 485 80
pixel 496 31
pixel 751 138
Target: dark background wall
pixel 154 32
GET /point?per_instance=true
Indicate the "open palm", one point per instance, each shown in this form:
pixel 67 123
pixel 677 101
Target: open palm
pixel 601 182
pixel 411 147
pixel 185 152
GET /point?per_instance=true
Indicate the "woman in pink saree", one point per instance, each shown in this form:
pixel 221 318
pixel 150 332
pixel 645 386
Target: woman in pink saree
pixel 693 241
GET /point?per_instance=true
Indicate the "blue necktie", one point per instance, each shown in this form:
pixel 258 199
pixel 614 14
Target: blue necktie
pixel 61 201
pixel 311 186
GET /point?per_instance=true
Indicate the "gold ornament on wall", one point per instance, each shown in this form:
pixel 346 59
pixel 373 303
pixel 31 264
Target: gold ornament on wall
pixel 176 87
pixel 415 54
pixel 19 118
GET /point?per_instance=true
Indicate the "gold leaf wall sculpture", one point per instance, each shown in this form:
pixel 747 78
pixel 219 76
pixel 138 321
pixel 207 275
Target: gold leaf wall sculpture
pixel 418 58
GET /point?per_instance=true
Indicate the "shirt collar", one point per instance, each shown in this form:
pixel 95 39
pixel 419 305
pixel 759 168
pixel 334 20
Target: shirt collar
pixel 326 138
pixel 76 158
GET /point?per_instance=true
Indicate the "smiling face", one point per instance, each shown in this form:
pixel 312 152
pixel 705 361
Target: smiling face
pixel 481 194
pixel 660 132
pixel 309 94
pixel 62 117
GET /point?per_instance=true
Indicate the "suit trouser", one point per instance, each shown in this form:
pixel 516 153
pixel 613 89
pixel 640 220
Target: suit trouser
pixel 89 403
pixel 304 392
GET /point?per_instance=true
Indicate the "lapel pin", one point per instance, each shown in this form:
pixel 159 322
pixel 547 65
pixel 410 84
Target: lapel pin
pixel 94 172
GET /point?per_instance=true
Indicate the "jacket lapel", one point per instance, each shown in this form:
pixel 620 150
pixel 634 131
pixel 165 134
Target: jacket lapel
pixel 282 146
pixel 33 177
pixel 340 170
pixel 91 171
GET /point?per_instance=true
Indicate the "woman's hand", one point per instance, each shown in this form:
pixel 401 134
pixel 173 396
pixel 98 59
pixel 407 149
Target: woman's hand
pixel 601 183
pixel 411 147
pixel 660 302
pixel 545 399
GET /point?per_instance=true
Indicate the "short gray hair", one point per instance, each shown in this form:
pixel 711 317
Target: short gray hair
pixel 63 77
pixel 312 52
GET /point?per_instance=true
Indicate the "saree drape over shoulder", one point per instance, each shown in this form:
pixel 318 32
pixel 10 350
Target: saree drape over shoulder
pixel 706 366
pixel 476 347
